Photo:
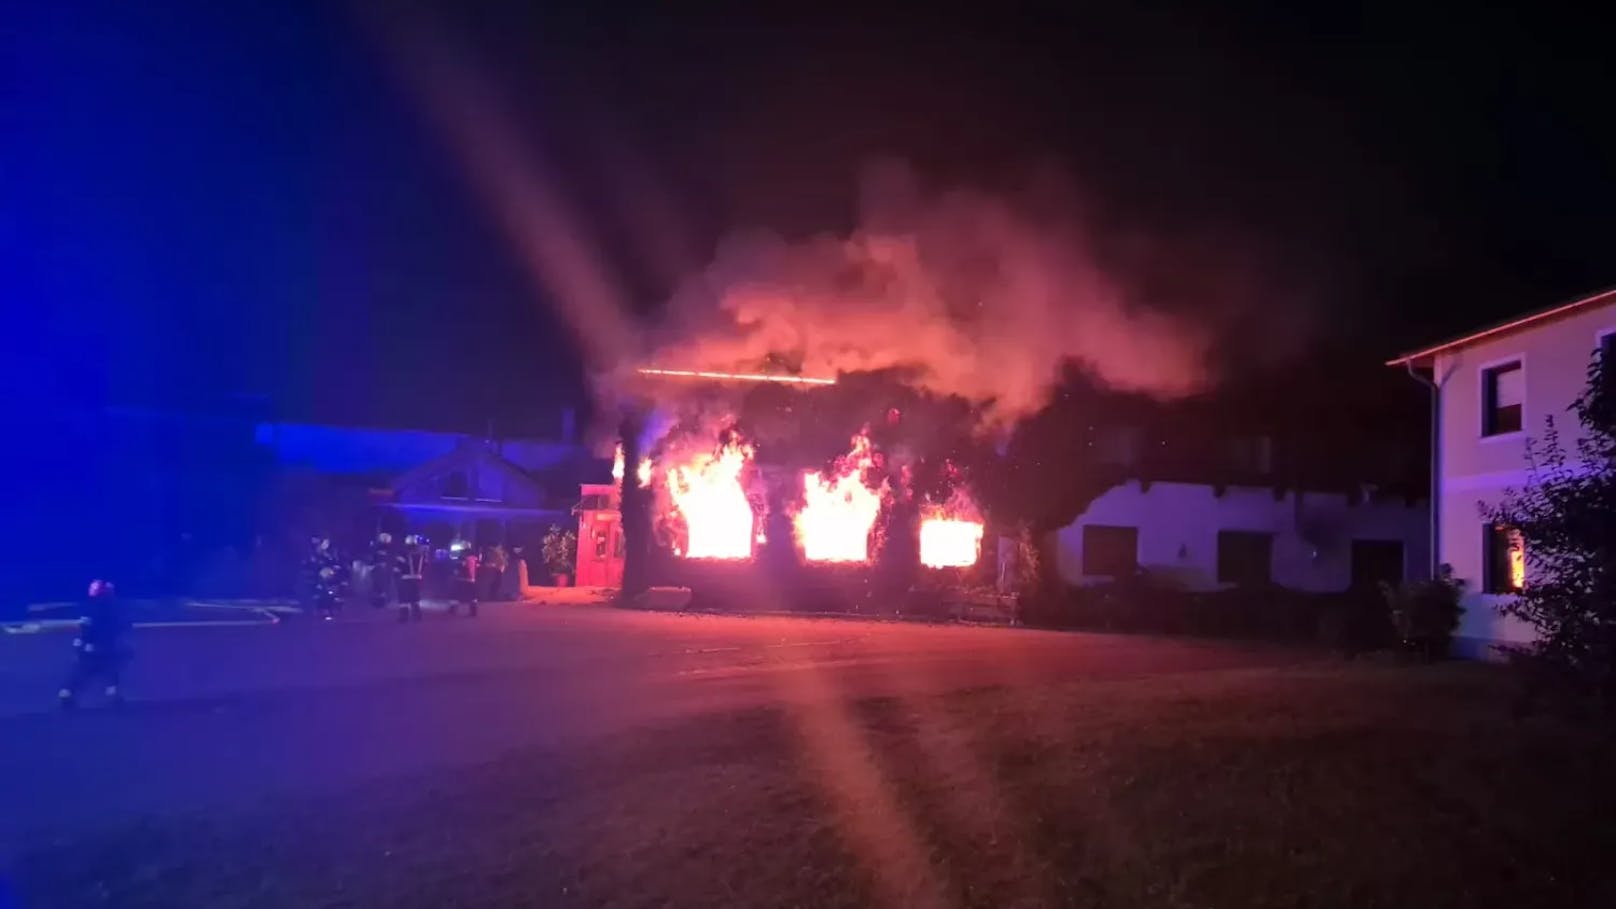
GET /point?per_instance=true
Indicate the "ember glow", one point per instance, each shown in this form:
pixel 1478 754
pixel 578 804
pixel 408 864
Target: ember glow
pixel 708 495
pixel 735 376
pixel 839 510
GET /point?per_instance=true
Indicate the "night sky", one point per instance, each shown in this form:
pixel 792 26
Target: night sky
pixel 209 199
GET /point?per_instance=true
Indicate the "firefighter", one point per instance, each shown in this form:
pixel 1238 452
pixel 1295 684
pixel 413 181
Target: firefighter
pixel 464 561
pixel 329 584
pixel 308 574
pixel 383 563
pixel 102 651
pixel 411 571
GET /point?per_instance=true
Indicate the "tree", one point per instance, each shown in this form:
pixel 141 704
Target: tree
pixel 1567 517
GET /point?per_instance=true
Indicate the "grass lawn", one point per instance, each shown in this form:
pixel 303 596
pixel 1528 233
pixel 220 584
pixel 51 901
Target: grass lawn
pixel 1339 785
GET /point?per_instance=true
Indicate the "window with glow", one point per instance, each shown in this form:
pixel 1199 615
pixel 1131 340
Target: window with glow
pixel 1505 567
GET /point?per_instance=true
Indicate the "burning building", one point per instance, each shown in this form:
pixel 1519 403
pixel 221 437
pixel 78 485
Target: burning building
pixel 762 512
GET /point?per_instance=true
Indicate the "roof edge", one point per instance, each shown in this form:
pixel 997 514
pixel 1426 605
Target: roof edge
pixel 1550 312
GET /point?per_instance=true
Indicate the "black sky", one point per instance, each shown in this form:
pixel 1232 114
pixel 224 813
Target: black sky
pixel 248 197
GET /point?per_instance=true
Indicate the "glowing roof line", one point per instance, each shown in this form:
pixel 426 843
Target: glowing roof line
pixel 735 376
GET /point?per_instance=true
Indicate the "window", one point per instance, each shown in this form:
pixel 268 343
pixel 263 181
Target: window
pixel 1245 557
pixel 1607 356
pixel 455 485
pixel 1503 391
pixel 1504 552
pixel 1110 552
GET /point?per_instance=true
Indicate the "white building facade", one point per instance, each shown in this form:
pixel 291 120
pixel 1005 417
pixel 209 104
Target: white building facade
pixel 1492 390
pixel 1206 537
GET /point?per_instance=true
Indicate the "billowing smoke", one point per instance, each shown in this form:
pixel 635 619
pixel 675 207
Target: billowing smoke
pixel 959 292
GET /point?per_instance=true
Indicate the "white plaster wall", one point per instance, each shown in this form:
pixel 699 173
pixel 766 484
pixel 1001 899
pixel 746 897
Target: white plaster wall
pixel 1475 470
pixel 1179 522
pixel 1554 357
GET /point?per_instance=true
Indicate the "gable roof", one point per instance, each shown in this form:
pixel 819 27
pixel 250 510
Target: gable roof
pixel 1419 357
pixel 465 455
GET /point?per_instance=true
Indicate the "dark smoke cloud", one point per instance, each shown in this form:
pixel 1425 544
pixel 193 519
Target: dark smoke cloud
pixel 960 292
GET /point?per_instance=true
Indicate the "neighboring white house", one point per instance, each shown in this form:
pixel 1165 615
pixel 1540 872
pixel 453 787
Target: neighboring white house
pixel 1209 538
pixel 1492 390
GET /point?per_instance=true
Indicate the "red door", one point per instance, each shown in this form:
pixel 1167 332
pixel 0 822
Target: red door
pixel 600 549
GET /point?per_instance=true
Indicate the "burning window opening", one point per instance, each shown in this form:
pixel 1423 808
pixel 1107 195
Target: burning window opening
pixel 840 510
pixel 949 542
pixel 951 533
pixel 709 497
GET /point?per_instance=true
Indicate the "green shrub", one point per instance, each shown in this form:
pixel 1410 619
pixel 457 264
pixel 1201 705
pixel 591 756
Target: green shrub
pixel 1425 614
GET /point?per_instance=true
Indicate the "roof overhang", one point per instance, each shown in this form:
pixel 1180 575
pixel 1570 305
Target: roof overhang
pixel 1427 356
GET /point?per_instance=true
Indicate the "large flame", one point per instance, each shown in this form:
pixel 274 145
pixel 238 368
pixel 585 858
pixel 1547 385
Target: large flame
pixel 707 493
pixel 949 542
pixel 951 534
pixel 839 510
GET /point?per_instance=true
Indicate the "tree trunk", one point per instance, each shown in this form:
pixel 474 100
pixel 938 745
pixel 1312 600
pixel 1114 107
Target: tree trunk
pixel 636 507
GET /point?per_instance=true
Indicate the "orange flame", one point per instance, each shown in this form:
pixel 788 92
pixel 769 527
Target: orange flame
pixel 641 473
pixel 951 534
pixel 707 493
pixel 839 511
pixel 949 542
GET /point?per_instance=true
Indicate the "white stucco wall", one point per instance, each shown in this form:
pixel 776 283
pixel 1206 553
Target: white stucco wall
pixel 1178 527
pixel 1475 470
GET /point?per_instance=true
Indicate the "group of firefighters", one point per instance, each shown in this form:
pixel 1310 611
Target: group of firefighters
pixel 397 575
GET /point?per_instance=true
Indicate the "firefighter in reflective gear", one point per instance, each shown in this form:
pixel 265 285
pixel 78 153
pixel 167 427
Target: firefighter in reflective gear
pixel 326 568
pixel 411 571
pixel 383 565
pixel 464 561
pixel 102 651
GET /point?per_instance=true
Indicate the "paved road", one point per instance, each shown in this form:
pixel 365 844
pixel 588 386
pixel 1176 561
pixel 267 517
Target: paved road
pixel 225 716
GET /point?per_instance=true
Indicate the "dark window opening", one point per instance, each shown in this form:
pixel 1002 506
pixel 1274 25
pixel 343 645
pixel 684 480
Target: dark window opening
pixel 1110 552
pixel 1607 360
pixel 1504 559
pixel 1376 562
pixel 455 485
pixel 1503 399
pixel 1245 557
